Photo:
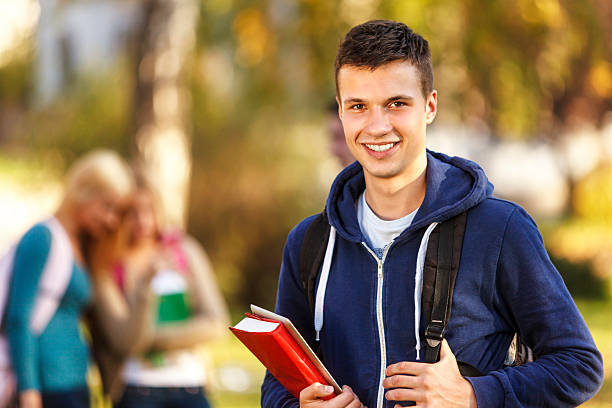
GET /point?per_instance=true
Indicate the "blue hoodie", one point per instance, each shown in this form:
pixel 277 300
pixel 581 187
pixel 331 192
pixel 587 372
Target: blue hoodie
pixel 505 284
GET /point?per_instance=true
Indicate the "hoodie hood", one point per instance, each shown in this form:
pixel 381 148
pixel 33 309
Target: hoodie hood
pixel 454 185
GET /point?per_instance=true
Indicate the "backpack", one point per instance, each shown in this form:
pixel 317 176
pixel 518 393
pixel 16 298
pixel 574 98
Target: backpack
pixel 440 269
pixel 51 288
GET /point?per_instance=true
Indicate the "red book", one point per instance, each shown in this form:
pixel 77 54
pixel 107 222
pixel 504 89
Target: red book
pixel 279 346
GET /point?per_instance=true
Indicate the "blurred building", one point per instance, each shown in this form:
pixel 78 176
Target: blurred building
pixel 535 174
pixel 75 37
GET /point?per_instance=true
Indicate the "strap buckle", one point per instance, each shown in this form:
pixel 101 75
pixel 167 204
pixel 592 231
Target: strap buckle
pixel 435 333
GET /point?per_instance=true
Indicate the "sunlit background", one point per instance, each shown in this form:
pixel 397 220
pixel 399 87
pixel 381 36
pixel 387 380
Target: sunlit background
pixel 226 103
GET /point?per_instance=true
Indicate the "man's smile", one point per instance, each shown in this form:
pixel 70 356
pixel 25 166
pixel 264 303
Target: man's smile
pixel 380 150
pixel 380 147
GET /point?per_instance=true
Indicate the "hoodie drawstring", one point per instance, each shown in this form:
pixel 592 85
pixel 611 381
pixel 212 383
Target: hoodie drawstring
pixel 418 286
pixel 320 299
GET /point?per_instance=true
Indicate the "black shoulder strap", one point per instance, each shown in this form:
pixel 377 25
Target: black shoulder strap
pixel 312 253
pixel 439 275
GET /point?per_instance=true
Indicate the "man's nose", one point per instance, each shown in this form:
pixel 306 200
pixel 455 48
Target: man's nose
pixel 378 123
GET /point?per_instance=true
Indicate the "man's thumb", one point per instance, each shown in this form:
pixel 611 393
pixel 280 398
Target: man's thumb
pixel 315 391
pixel 445 351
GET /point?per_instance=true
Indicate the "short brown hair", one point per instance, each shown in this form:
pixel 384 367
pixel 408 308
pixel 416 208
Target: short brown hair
pixel 378 42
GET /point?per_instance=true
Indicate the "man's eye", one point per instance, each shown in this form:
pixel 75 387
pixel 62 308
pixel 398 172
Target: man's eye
pixel 397 104
pixel 357 106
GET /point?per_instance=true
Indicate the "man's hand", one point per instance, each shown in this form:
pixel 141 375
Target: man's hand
pixel 430 385
pixel 30 399
pixel 311 397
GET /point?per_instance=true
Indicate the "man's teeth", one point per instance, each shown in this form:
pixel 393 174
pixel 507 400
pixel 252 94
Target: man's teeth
pixel 380 148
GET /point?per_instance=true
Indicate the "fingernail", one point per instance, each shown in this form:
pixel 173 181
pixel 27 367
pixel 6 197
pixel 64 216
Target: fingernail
pixel 328 389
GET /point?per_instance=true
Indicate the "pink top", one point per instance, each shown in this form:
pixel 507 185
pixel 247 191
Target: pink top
pixel 172 241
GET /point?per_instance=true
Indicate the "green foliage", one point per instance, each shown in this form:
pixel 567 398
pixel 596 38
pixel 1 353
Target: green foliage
pixel 522 67
pixel 93 113
pixel 262 75
pixel 581 279
pixel 246 195
pixel 16 82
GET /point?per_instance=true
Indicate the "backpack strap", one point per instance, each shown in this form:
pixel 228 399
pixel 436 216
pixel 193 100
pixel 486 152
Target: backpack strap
pixel 6 268
pixel 312 252
pixel 55 277
pixel 440 274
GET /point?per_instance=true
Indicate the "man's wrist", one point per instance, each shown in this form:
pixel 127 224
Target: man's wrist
pixel 470 395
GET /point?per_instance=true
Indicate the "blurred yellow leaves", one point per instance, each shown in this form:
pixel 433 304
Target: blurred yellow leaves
pixel 548 12
pixel 600 79
pixel 588 236
pixel 594 195
pixel 358 11
pixel 254 40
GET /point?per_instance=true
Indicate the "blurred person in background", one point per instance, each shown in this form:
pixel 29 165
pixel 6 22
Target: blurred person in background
pixel 51 367
pixel 337 143
pixel 156 303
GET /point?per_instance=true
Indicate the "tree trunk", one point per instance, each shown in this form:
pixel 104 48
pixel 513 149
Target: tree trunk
pixel 161 144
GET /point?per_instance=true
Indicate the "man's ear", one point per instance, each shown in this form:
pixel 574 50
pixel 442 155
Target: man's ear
pixel 431 107
pixel 339 107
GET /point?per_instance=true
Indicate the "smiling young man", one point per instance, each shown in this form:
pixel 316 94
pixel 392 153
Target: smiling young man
pixel 381 210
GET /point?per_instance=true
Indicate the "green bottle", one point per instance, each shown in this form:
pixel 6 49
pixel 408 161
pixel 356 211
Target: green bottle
pixel 171 288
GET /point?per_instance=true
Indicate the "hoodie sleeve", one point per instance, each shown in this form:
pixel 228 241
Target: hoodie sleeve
pixel 30 258
pixel 291 302
pixel 532 296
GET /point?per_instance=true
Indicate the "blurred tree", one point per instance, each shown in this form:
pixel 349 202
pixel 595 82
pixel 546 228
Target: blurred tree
pixel 258 80
pixel 161 141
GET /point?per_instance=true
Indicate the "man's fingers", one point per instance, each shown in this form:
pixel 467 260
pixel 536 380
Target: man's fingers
pixel 352 400
pixel 405 394
pixel 403 381
pixel 406 367
pixel 315 391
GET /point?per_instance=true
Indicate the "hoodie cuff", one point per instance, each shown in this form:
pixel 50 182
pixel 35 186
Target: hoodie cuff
pixel 488 390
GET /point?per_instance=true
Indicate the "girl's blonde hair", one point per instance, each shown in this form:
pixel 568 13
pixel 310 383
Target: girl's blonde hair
pixel 98 172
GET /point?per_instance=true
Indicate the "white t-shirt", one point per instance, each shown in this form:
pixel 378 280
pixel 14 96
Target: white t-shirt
pixel 379 233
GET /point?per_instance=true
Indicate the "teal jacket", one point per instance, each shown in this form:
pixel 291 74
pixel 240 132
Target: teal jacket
pixel 57 359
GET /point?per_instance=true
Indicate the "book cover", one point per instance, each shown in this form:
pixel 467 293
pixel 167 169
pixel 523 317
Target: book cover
pixel 282 350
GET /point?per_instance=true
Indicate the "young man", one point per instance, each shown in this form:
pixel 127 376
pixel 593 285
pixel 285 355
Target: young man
pixel 382 209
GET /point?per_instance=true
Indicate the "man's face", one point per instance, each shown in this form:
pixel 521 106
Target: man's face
pixel 385 116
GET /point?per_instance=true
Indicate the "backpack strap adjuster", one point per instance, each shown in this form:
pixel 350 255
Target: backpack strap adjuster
pixel 435 333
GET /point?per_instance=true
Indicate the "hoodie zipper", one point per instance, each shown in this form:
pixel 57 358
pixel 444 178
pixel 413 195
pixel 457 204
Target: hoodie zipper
pixel 379 321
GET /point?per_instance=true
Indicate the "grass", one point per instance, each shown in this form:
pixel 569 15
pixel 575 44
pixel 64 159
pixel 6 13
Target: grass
pixel 237 375
pixel 597 315
pixel 232 355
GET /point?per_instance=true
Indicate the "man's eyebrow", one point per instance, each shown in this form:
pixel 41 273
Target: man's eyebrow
pixel 398 97
pixel 352 100
pixel 389 100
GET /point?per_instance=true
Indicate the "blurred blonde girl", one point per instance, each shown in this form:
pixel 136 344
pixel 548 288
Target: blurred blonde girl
pixel 156 302
pixel 50 367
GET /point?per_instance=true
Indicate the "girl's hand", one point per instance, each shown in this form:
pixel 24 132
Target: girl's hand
pixel 30 399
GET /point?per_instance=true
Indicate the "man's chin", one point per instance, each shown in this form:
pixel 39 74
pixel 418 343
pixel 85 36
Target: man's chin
pixel 381 173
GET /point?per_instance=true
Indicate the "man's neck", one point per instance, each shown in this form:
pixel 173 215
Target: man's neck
pixel 396 197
